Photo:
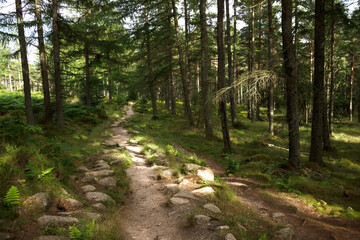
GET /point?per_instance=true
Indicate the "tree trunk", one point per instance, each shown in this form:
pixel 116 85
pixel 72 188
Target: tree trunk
pixel 10 80
pixel 291 84
pixel 170 60
pixel 24 64
pixel 318 86
pixel 351 89
pixel 110 83
pixel 43 63
pixel 332 70
pixel 258 100
pixel 57 74
pixel 221 74
pixel 234 52
pixel 270 68
pixel 234 119
pixel 205 83
pixel 252 63
pixel 151 81
pixel 183 72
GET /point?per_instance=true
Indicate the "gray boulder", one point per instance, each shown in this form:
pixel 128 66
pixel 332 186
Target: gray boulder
pixel 179 201
pixel 39 202
pixel 229 236
pixel 107 182
pixel 211 207
pixel 56 221
pixel 100 173
pixel 98 197
pixel 202 219
pixel 205 174
pixel 88 188
pixel 284 234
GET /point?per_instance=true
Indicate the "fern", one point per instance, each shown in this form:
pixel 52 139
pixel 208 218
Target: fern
pixel 30 170
pixel 44 173
pixel 83 232
pixel 12 197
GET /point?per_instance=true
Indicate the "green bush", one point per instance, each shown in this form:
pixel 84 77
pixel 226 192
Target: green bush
pixel 82 232
pixel 17 132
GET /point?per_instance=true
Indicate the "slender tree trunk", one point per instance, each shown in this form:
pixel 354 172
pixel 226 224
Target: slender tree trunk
pixel 351 89
pixel 24 64
pixel 221 74
pixel 10 80
pixel 291 84
pixel 57 74
pixel 187 62
pixel 234 119
pixel 170 59
pixel 252 64
pixel 205 83
pixel 151 81
pixel 183 72
pixel 43 63
pixel 318 90
pixel 270 68
pixel 258 100
pixel 332 70
pixel 234 53
pixel 110 83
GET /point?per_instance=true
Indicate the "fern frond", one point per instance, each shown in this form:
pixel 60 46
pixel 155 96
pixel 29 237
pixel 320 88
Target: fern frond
pixel 12 197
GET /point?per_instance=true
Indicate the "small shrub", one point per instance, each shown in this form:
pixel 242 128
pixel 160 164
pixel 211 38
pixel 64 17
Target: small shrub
pixel 82 232
pixel 232 166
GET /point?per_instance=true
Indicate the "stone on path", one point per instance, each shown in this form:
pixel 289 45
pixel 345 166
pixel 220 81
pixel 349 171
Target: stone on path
pixel 179 201
pixel 39 202
pixel 88 179
pixel 211 207
pixel 104 167
pixel 56 221
pixel 229 236
pixel 202 219
pixel 171 189
pixel 224 227
pixel 191 166
pixel 98 206
pixel 88 188
pixel 204 191
pixel 82 169
pixel 115 162
pixel 107 151
pixel 166 173
pixel 278 214
pixel 188 183
pixel 89 215
pixel 107 182
pixel 98 197
pixel 110 143
pixel 185 194
pixel 6 236
pixel 284 234
pixel 68 204
pixel 134 149
pixel 205 174
pixel 100 173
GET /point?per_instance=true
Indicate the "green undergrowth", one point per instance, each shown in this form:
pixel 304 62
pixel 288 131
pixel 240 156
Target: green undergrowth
pixel 42 158
pixel 337 184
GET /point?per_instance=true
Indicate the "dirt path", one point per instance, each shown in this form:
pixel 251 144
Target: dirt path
pixel 145 214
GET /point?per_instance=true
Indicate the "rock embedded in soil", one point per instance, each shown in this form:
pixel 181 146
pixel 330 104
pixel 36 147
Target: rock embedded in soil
pixel 211 207
pixel 188 183
pixel 171 189
pixel 56 221
pixel 224 227
pixel 204 191
pixel 284 234
pixel 107 182
pixel 179 201
pixel 166 174
pixel 202 219
pixel 205 174
pixel 107 151
pixel 191 166
pixel 88 179
pixel 98 206
pixel 110 143
pixel 6 236
pixel 278 214
pixel 134 149
pixel 229 236
pixel 89 215
pixel 98 197
pixel 185 194
pixel 82 169
pixel 88 188
pixel 116 162
pixel 68 204
pixel 100 173
pixel 39 202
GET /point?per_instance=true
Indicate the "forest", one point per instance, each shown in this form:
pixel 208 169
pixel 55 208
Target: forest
pixel 179 119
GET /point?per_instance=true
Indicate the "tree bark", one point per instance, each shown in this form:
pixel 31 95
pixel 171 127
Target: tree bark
pixel 43 63
pixel 316 147
pixel 252 63
pixel 221 74
pixel 57 74
pixel 332 70
pixel 205 83
pixel 351 89
pixel 270 68
pixel 110 83
pixel 234 119
pixel 151 81
pixel 291 84
pixel 24 64
pixel 183 72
